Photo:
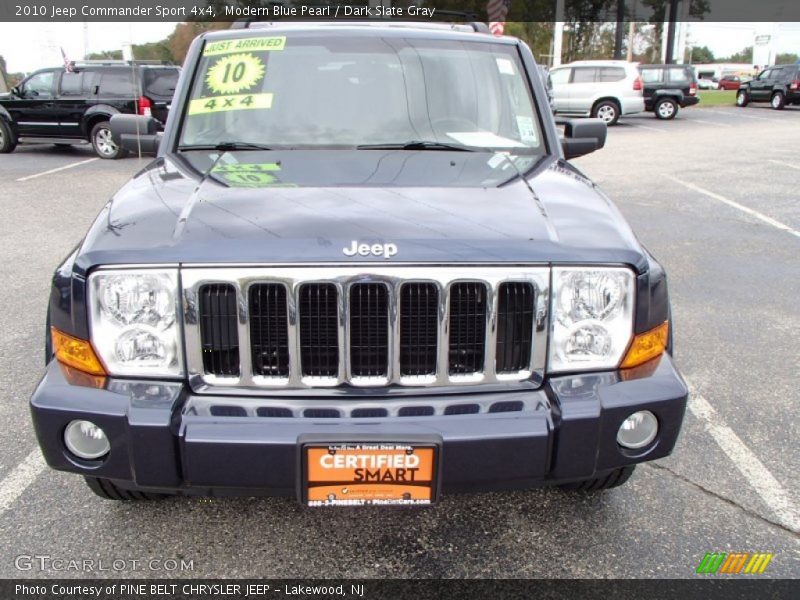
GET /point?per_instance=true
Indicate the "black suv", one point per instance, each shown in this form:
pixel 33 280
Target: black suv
pixel 372 284
pixel 668 87
pixel 67 107
pixel 779 85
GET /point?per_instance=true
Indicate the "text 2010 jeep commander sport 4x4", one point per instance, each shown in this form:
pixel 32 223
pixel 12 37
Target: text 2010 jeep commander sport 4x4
pixel 359 271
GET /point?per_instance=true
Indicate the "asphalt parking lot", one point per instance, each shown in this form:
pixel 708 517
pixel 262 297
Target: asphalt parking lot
pixel 714 195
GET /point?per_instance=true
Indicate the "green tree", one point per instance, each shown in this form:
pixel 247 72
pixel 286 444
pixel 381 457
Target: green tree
pixel 105 55
pixel 702 55
pixel 786 58
pixel 745 55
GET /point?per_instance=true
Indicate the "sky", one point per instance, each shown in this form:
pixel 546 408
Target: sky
pixel 29 46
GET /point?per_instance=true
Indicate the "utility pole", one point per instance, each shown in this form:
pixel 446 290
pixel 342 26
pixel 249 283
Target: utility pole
pixel 673 17
pixel 631 31
pixel 619 32
pixel 631 34
pixel 558 33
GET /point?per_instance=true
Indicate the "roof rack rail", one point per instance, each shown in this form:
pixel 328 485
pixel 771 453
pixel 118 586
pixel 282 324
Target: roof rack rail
pixel 477 26
pixel 113 61
pixel 241 24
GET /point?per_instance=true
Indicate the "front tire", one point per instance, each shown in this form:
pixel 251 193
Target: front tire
pixel 607 111
pixel 666 109
pixel 106 489
pixel 742 99
pixel 615 478
pixel 778 101
pixel 103 143
pixel 7 140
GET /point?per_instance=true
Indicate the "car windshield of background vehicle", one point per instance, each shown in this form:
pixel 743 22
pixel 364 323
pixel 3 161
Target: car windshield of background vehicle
pixel 313 92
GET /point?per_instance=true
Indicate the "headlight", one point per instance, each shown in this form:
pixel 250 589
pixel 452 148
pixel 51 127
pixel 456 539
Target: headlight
pixel 592 317
pixel 134 325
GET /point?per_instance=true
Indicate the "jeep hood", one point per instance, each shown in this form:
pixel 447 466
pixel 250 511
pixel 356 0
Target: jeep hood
pixel 307 206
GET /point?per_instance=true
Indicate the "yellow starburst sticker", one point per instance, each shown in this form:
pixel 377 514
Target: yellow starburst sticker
pixel 234 73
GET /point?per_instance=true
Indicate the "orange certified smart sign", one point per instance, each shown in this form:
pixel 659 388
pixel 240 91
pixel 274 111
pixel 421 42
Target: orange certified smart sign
pixel 375 473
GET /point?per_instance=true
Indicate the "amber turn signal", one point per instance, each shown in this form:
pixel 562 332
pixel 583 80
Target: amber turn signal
pixel 75 353
pixel 646 346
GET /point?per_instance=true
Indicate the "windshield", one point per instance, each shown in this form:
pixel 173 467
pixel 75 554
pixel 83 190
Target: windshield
pixel 310 91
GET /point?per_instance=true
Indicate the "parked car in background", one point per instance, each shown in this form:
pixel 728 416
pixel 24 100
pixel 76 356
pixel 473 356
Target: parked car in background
pixel 779 85
pixel 548 85
pixel 604 89
pixel 3 82
pixel 730 82
pixel 668 88
pixel 707 84
pixel 68 107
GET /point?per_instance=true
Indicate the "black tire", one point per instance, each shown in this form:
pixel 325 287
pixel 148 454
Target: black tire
pixel 103 145
pixel 608 111
pixel 108 491
pixel 778 101
pixel 610 480
pixel 7 139
pixel 742 99
pixel 666 109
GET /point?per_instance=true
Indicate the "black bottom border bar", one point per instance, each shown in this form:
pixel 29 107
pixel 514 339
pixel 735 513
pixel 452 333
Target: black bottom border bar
pixel 357 589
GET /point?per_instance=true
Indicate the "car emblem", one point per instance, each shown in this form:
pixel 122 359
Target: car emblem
pixel 385 250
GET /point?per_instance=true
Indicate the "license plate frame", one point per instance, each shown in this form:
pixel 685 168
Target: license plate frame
pixel 314 490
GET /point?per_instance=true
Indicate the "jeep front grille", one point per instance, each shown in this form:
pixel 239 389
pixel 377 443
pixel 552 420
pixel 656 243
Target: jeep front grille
pixel 219 329
pixel 300 328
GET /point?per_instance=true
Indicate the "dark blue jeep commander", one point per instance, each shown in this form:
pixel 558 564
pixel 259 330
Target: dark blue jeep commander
pixel 359 271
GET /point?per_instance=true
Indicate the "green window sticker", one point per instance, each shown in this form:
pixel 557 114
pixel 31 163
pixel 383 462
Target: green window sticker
pixel 213 104
pixel 250 175
pixel 234 73
pixel 258 44
pixel 246 167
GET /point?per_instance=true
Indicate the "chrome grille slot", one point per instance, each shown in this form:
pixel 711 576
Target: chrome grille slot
pixel 419 329
pixel 282 330
pixel 467 340
pixel 514 326
pixel 269 332
pixel 369 330
pixel 218 330
pixel 319 330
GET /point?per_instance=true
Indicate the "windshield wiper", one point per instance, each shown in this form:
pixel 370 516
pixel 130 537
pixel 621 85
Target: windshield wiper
pixel 225 146
pixel 418 145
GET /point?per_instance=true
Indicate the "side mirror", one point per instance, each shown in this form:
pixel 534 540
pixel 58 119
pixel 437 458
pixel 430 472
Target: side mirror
pixel 136 132
pixel 16 91
pixel 583 137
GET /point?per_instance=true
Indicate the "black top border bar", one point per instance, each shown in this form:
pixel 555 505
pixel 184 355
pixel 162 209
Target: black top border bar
pixel 541 11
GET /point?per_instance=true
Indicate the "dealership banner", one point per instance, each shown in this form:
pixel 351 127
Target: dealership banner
pixel 108 589
pixel 435 10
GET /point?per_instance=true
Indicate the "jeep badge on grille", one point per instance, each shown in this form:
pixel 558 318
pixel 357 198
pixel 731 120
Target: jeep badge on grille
pixel 384 250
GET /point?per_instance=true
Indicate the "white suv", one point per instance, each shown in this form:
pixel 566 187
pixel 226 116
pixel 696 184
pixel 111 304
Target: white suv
pixel 605 89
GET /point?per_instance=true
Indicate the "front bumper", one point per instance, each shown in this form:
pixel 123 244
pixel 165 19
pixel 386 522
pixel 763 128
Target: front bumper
pixel 163 439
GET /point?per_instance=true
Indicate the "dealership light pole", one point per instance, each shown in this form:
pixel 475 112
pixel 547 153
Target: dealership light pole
pixel 558 33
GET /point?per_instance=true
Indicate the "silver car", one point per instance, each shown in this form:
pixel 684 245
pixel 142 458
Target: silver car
pixel 605 89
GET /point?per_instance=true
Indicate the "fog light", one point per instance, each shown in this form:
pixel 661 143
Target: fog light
pixel 638 430
pixel 86 440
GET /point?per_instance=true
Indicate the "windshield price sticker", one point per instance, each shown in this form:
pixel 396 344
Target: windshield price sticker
pixel 259 44
pixel 214 104
pixel 235 73
pixel 250 175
